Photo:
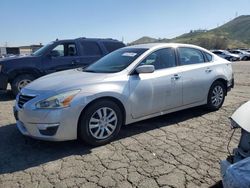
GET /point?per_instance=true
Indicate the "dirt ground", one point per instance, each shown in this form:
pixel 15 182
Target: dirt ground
pixel 181 149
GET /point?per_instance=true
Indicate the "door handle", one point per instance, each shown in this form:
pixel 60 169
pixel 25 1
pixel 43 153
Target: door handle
pixel 208 70
pixel 176 77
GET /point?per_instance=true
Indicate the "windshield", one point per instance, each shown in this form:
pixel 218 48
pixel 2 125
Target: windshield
pixel 226 52
pixel 116 61
pixel 41 50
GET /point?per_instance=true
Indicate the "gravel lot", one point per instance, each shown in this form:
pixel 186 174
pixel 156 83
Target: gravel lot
pixel 182 149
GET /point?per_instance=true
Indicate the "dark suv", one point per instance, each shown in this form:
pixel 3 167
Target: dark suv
pixel 55 56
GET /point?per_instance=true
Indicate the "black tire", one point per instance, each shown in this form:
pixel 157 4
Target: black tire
pixel 244 58
pixel 220 87
pixel 84 130
pixel 15 85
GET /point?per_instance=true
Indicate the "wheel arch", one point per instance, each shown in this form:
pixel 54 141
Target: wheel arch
pixel 223 81
pixel 114 99
pixel 31 71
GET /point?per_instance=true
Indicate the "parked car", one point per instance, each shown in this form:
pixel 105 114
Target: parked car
pixel 243 54
pixel 235 169
pixel 8 55
pixel 128 85
pixel 55 56
pixel 226 55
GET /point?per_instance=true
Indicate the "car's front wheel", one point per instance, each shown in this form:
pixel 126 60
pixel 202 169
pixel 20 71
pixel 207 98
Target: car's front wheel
pixel 100 122
pixel 216 95
pixel 20 82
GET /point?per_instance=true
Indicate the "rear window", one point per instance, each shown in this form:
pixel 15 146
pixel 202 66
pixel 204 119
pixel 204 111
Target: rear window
pixel 112 46
pixel 217 52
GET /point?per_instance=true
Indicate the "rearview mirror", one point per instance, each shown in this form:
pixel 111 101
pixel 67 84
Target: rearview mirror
pixel 145 69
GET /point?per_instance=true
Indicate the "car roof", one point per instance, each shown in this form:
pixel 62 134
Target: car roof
pixel 217 50
pixel 156 45
pixel 98 39
pixel 88 39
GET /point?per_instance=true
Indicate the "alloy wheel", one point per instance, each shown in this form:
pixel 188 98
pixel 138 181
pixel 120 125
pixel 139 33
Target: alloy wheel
pixel 23 83
pixel 103 123
pixel 217 95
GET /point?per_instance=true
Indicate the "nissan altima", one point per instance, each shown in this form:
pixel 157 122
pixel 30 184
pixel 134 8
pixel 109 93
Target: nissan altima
pixel 128 85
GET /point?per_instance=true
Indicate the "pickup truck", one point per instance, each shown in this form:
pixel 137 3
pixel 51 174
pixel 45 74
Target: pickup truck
pixel 56 56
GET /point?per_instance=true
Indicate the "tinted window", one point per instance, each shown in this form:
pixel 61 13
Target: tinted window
pixel 190 56
pixel 91 48
pixel 235 52
pixel 217 52
pixel 70 49
pixel 115 61
pixel 161 59
pixel 208 56
pixel 112 46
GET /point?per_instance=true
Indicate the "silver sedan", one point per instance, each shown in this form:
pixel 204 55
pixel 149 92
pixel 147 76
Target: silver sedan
pixel 131 84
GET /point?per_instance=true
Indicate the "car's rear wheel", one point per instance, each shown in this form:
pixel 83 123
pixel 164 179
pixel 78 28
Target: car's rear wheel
pixel 100 122
pixel 20 82
pixel 244 58
pixel 216 95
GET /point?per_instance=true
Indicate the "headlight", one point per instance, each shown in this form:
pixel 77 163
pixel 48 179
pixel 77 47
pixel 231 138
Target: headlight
pixel 234 125
pixel 58 101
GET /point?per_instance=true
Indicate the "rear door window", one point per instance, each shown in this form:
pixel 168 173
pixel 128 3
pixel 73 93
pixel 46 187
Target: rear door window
pixel 188 56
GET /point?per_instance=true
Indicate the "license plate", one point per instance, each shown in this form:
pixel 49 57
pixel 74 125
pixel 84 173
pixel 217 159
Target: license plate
pixel 15 113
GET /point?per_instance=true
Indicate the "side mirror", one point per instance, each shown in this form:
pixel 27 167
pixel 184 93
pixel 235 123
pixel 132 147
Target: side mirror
pixel 145 69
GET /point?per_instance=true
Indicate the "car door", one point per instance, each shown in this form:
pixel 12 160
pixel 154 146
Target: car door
pixel 62 57
pixel 158 91
pixel 197 74
pixel 91 52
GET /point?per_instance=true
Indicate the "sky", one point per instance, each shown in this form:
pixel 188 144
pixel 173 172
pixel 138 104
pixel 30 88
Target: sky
pixel 25 22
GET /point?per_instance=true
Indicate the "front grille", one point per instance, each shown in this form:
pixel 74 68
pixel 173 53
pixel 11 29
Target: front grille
pixel 23 99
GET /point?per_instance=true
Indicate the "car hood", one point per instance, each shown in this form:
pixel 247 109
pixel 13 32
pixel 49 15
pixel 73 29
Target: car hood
pixel 234 55
pixel 241 116
pixel 17 59
pixel 65 80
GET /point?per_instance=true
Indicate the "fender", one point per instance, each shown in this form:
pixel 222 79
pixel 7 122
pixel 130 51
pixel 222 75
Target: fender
pixel 14 73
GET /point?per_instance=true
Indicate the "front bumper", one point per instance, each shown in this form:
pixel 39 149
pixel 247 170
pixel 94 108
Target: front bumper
pixel 51 124
pixel 3 81
pixel 230 85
